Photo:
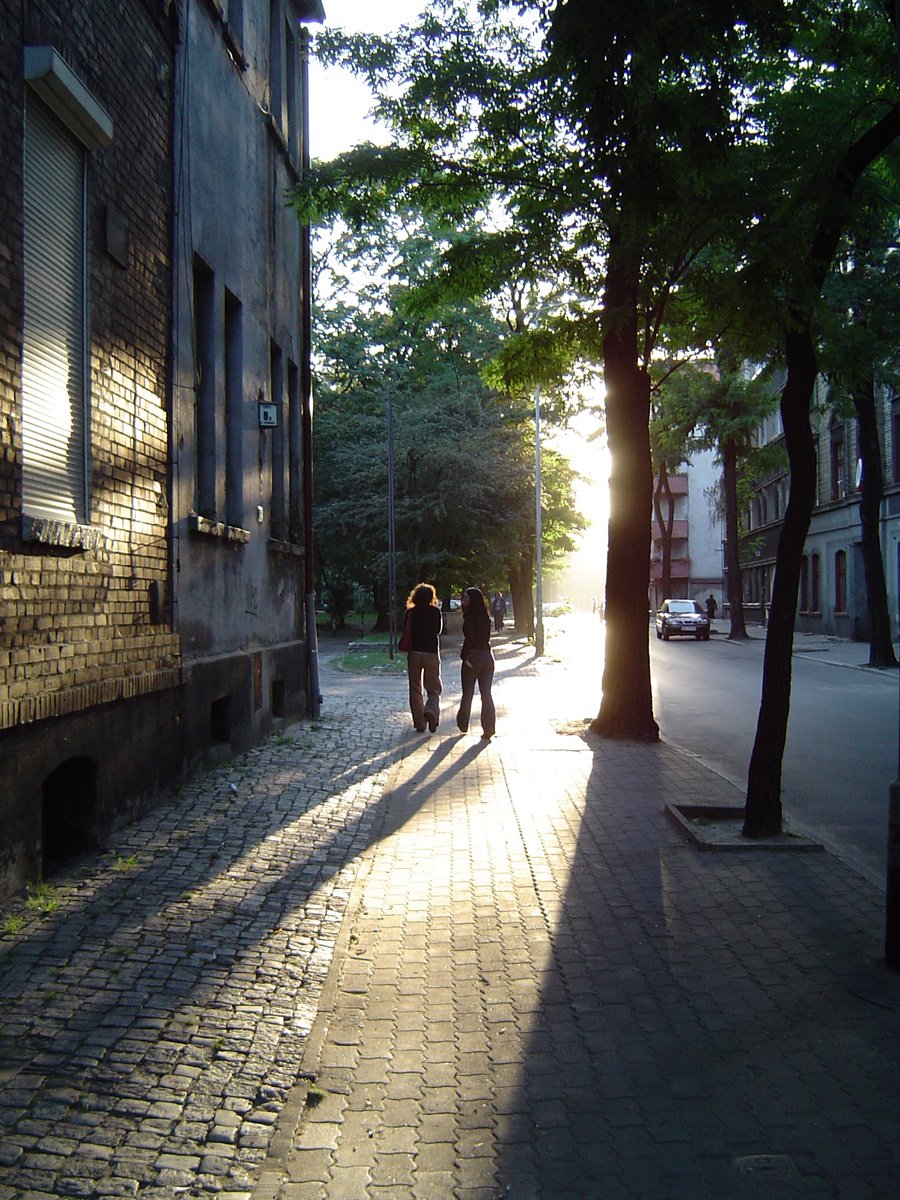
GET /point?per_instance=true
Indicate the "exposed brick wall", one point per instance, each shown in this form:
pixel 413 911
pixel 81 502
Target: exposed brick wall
pixel 86 622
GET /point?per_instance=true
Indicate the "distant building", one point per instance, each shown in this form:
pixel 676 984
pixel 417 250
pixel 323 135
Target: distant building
pixel 832 596
pixel 697 532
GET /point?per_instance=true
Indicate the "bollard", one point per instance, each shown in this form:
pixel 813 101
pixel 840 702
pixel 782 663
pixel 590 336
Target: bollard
pixel 892 897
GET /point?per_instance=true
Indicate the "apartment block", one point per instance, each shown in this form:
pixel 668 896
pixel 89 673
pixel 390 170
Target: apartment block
pixel 90 664
pixel 154 400
pixel 692 521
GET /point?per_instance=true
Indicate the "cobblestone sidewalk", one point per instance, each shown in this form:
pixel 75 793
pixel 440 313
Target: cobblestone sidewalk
pixel 505 972
pixel 544 992
pixel 154 1002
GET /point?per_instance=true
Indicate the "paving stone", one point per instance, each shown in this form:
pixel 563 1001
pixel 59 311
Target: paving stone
pixel 505 969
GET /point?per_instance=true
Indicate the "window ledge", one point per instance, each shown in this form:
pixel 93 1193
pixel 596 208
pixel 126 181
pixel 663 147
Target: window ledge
pixel 60 533
pixel 59 87
pixel 278 547
pixel 208 527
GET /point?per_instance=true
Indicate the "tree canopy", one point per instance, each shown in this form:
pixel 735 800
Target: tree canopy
pixel 463 452
pixel 669 174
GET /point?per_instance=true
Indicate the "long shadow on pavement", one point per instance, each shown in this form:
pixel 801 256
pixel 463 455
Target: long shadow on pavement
pixel 707 1024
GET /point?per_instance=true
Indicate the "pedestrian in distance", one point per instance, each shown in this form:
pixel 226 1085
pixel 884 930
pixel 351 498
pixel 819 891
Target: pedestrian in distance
pixel 498 611
pixel 477 663
pixel 424 623
pixel 711 606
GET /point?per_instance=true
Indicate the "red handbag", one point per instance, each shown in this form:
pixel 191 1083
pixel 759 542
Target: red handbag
pixel 405 643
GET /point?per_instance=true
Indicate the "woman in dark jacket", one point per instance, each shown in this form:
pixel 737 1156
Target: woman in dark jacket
pixel 423 659
pixel 477 662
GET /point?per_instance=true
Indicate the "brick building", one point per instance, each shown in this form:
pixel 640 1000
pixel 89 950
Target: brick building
pixel 151 401
pixel 89 663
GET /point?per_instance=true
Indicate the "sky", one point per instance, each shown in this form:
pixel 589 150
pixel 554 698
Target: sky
pixel 339 101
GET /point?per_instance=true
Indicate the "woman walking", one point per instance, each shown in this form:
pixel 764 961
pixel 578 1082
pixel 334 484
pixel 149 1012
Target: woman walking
pixel 423 659
pixel 498 611
pixel 477 662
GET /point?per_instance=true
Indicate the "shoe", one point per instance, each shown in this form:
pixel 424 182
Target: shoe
pixel 486 737
pixel 419 728
pixel 432 722
pixel 462 728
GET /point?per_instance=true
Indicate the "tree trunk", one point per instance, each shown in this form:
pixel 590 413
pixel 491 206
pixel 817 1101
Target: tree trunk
pixel 380 604
pixel 520 576
pixel 666 525
pixel 626 709
pixel 732 550
pixel 881 649
pixel 763 813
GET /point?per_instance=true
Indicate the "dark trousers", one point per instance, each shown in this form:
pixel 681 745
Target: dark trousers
pixel 484 678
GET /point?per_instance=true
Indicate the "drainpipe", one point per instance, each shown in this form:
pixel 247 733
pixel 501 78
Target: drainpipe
pixel 314 691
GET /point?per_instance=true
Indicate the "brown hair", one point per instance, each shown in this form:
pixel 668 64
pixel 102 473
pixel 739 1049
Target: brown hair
pixel 422 595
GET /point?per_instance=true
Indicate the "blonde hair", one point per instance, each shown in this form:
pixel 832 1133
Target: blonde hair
pixel 422 595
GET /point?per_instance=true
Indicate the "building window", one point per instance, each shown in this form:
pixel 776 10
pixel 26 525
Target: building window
pixel 804 584
pixel 277 527
pixel 55 396
pixel 814 605
pixel 838 463
pixel 291 126
pixel 895 442
pixel 840 581
pixel 295 463
pixel 276 63
pixel 235 16
pixel 204 390
pixel 234 411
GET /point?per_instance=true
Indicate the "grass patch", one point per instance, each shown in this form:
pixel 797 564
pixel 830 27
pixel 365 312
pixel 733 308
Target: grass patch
pixel 13 923
pixel 42 898
pixel 371 662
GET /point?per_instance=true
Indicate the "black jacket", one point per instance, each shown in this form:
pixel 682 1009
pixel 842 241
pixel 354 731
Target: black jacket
pixel 426 624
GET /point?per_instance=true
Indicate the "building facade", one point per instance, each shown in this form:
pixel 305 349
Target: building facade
pixel 151 402
pixel 832 597
pixel 89 661
pixel 236 432
pixel 697 533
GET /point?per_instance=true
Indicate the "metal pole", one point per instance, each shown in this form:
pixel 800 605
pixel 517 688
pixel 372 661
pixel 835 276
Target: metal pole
pixel 392 550
pixel 314 702
pixel 538 532
pixel 892 897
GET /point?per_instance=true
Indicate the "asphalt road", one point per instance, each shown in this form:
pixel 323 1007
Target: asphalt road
pixel 841 753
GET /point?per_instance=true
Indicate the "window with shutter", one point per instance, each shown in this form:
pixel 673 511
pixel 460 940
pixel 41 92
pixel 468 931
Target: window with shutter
pixel 54 386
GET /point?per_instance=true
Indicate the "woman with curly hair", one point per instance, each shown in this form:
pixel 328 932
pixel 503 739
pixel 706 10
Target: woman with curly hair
pixel 423 659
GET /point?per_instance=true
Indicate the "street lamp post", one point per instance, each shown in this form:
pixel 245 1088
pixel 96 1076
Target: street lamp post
pixel 538 531
pixel 313 12
pixel 392 549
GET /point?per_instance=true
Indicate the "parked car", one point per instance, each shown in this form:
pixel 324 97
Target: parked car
pixel 681 618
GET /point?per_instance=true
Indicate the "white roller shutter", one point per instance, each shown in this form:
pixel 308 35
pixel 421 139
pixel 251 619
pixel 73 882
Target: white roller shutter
pixel 54 425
